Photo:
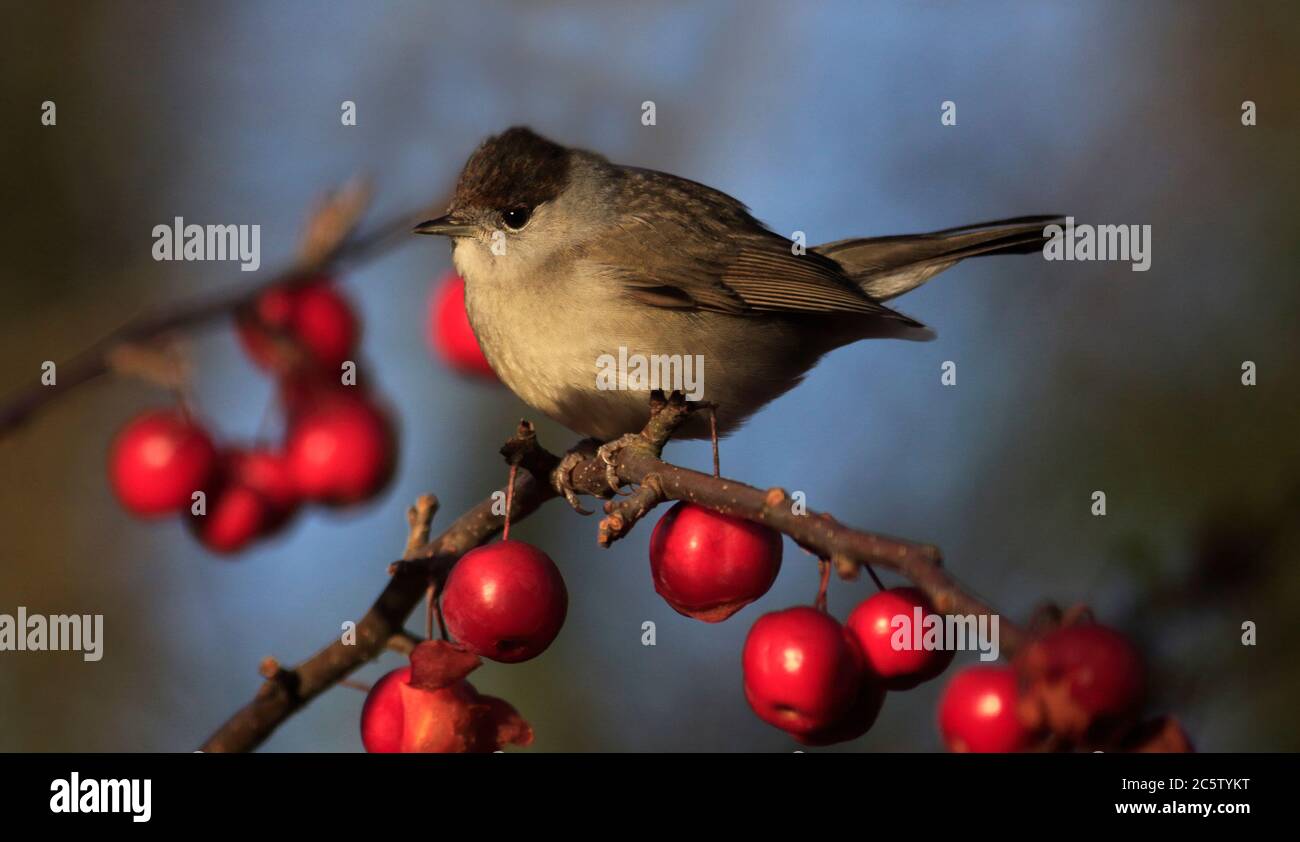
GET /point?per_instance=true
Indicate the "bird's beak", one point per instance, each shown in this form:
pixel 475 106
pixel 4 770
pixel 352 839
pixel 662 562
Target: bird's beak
pixel 446 226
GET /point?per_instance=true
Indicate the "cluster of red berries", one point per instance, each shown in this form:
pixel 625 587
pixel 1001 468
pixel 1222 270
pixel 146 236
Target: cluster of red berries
pixel 339 446
pixel 804 673
pixel 818 680
pixel 507 601
pixel 823 682
pixel 1077 686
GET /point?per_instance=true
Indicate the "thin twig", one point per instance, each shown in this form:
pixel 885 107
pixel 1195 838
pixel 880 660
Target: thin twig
pixel 622 514
pixel 403 642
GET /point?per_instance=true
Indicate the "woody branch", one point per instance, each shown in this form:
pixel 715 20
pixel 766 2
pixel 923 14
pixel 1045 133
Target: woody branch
pixel 382 626
pixel 328 243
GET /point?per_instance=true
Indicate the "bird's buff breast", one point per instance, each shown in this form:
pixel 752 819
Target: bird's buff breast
pixel 546 353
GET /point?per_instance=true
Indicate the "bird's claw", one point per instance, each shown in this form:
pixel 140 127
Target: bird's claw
pixel 562 479
pixel 608 454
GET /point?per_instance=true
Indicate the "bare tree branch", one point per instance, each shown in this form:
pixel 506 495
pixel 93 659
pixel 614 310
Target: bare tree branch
pixel 826 537
pixel 97 360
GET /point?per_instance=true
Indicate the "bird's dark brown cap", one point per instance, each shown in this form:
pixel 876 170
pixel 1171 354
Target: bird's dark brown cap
pixel 517 167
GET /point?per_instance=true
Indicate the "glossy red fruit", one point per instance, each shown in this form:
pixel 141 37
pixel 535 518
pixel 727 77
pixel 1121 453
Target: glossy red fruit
pixel 898 616
pixel 398 717
pixel 314 315
pixel 158 460
pixel 382 714
pixel 854 722
pixel 708 565
pixel 803 671
pixel 340 450
pixel 1086 680
pixel 326 324
pixel 456 718
pixel 450 332
pixel 978 711
pixel 268 473
pixel 235 515
pixel 505 601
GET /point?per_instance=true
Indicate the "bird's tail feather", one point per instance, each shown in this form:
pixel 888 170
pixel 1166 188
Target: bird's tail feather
pixel 885 267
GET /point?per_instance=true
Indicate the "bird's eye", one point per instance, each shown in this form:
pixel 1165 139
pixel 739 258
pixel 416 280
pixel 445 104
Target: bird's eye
pixel 516 218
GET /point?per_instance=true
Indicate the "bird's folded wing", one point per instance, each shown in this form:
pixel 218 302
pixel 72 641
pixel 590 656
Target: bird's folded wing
pixel 740 275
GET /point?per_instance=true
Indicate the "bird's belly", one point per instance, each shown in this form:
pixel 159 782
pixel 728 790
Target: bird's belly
pixel 555 373
pixel 591 369
pixel 547 356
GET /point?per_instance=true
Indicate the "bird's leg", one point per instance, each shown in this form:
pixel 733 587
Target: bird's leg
pixel 666 415
pixel 562 476
pixel 713 435
pixel 608 454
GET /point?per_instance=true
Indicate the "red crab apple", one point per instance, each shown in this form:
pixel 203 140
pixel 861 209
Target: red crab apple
pixel 855 721
pixel 450 332
pixel 876 625
pixel 978 711
pixel 430 707
pixel 1083 680
pixel 381 715
pixel 505 601
pixel 340 450
pixel 268 473
pixel 802 670
pixel 158 460
pixel 314 315
pixel 234 515
pixel 708 565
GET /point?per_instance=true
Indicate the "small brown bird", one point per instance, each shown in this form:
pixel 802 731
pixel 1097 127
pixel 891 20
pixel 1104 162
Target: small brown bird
pixel 571 262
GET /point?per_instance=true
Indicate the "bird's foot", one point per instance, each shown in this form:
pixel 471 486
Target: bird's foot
pixel 608 454
pixel 562 476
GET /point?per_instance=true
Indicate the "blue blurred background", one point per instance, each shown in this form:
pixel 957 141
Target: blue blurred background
pixel 823 117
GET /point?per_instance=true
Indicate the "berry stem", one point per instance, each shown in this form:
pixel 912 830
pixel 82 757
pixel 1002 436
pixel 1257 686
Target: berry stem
pixel 433 610
pixel 872 573
pixel 510 501
pixel 430 599
pixel 713 435
pixel 442 625
pixel 823 565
